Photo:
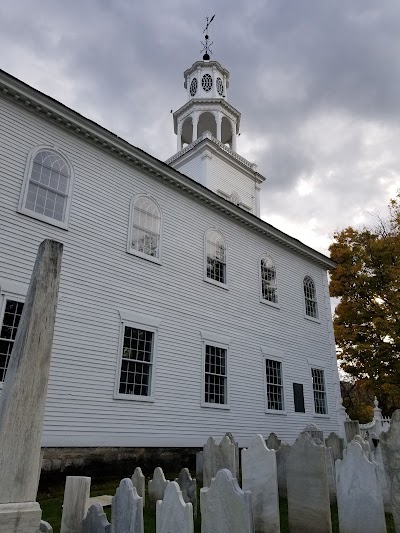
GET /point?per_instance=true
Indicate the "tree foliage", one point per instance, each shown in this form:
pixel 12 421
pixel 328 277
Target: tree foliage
pixel 367 319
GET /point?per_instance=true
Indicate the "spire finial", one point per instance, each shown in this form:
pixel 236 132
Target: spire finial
pixel 206 46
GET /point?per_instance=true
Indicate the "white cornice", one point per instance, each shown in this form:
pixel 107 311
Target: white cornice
pixel 202 64
pixel 87 130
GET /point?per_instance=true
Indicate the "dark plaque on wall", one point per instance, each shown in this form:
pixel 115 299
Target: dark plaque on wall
pixel 298 398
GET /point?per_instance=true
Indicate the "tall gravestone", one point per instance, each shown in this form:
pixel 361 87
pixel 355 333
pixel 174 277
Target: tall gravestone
pixel 237 455
pixel 383 477
pixel 76 498
pixel 314 432
pixel 199 466
pixel 127 509
pixel 282 455
pixel 351 429
pixel 188 487
pixel 359 495
pixel 23 398
pixel 218 456
pixel 139 482
pixel 225 507
pixel 336 444
pixel 307 487
pixel 157 485
pixel 272 442
pixel 259 476
pixel 390 443
pixel 173 514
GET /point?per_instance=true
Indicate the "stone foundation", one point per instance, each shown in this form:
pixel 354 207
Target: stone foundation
pixel 113 462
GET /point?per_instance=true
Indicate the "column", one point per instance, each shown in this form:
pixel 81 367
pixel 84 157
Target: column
pixel 206 169
pixel 233 126
pixel 188 87
pixel 225 87
pixel 179 137
pixel 218 118
pixel 257 201
pixel 199 88
pixel 195 121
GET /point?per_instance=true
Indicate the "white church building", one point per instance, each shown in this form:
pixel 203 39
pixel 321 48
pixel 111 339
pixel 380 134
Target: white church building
pixel 182 314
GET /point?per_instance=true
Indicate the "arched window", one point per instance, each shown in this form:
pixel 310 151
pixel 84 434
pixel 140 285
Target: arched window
pixel 216 257
pixel 268 280
pixel 48 187
pixel 235 198
pixel 310 297
pixel 145 227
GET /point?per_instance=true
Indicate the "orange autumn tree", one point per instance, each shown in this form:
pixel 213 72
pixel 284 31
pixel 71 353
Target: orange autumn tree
pixel 367 319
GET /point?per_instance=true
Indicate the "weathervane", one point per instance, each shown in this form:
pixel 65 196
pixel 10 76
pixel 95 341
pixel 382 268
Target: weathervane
pixel 207 45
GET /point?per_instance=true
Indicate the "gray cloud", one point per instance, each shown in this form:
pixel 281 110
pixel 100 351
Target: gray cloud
pixel 316 82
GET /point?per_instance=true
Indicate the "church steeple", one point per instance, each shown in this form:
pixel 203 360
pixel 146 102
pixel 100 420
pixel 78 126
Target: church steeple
pixel 207 108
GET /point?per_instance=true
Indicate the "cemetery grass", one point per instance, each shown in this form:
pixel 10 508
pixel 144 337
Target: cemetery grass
pixel 51 503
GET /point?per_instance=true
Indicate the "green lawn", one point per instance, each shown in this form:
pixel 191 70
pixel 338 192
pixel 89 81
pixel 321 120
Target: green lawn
pixel 51 504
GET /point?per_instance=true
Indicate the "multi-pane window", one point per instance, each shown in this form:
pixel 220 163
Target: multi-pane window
pixel 137 362
pixel 146 227
pixel 310 297
pixel 216 257
pixel 274 384
pixel 49 185
pixel 318 380
pixel 8 331
pixel 215 379
pixel 268 280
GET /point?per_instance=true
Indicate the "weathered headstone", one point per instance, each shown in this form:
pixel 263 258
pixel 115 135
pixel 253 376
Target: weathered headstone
pixel 259 476
pixel 364 445
pixel 23 398
pixel 127 509
pixel 314 432
pixel 173 514
pixel 330 472
pixel 282 455
pixel 272 442
pixel 96 520
pixel 336 444
pixel 157 485
pixel 307 487
pixel 383 477
pixel 76 497
pixel 187 486
pixel 359 496
pixel 237 455
pixel 45 527
pixel 225 507
pixel 199 466
pixel 139 482
pixel 390 443
pixel 218 456
pixel 351 429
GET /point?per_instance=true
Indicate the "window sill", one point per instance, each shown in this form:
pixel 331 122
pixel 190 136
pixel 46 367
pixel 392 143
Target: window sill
pixel 224 407
pixel 312 319
pixel 320 416
pixel 43 218
pixel 132 397
pixel 270 304
pixel 217 283
pixel 150 258
pixel 275 412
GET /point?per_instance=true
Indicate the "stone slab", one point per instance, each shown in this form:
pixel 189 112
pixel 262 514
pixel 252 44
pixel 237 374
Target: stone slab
pixel 20 517
pixel 307 487
pixel 75 505
pixel 359 496
pixel 259 476
pixel 105 500
pixel 351 429
pixel 336 444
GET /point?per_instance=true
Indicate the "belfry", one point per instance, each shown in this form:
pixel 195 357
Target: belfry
pixel 206 127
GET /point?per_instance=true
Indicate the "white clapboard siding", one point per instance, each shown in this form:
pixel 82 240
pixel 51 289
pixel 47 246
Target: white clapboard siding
pixel 99 277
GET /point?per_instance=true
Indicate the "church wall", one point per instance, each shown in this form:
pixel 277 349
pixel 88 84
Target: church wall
pixel 99 278
pixel 192 168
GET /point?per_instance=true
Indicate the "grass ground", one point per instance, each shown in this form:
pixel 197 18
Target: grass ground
pixel 51 504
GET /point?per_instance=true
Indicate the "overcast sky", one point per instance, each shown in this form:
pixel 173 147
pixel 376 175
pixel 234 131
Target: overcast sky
pixel 317 83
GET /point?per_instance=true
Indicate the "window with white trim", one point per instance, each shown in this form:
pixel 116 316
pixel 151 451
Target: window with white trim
pixel 310 297
pixel 47 188
pixel 274 385
pixel 268 280
pixel 9 325
pixel 136 362
pixel 215 375
pixel 216 257
pixel 319 391
pixel 145 231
